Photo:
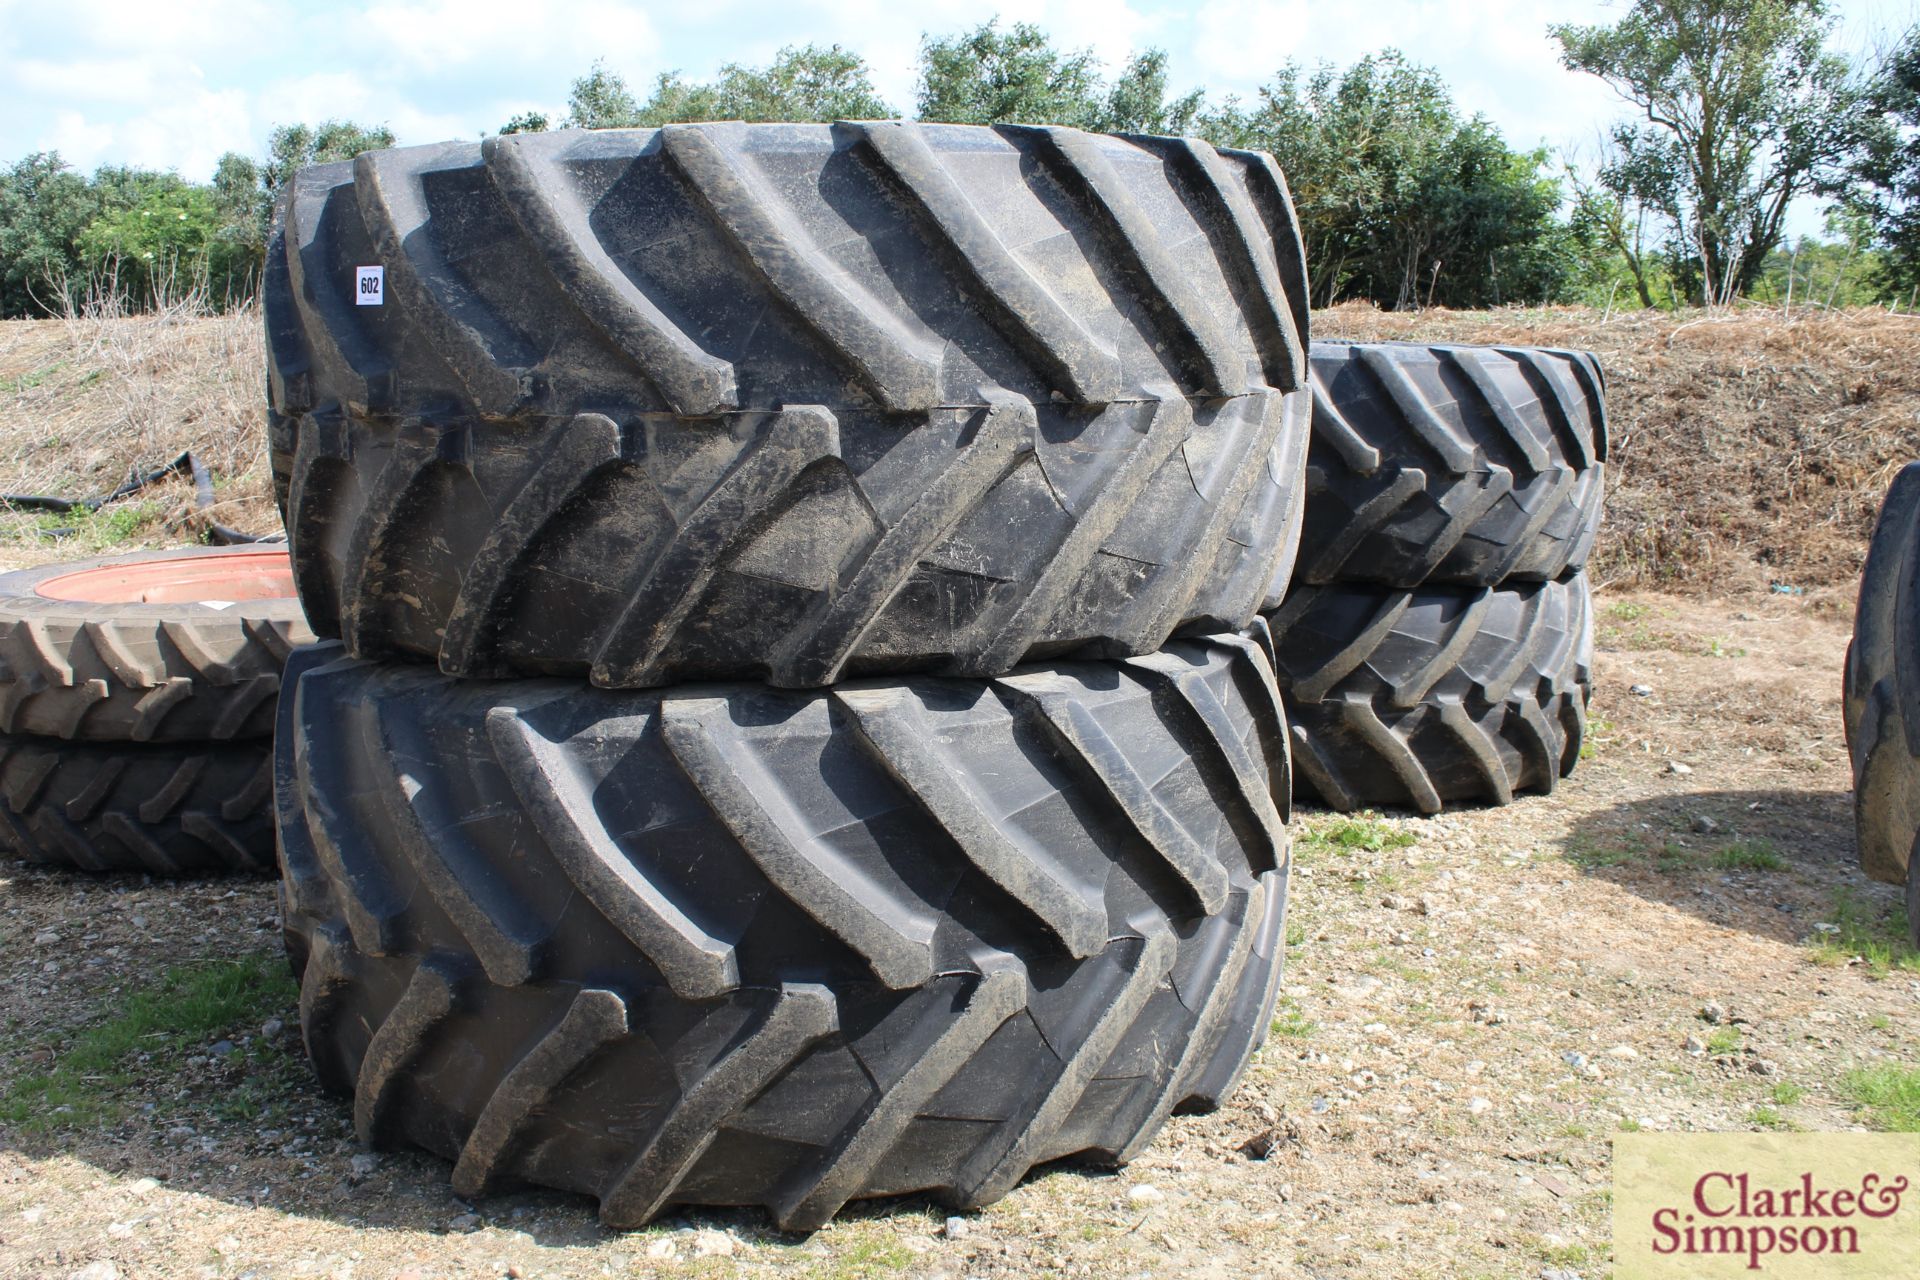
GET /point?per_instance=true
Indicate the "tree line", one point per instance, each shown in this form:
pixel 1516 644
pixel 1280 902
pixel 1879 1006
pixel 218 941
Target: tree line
pixel 1734 109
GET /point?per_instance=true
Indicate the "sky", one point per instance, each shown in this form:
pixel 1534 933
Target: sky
pixel 175 86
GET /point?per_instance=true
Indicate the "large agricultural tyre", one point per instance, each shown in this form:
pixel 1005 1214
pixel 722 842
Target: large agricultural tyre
pixel 1881 697
pixel 733 945
pixel 788 402
pixel 159 646
pixel 1424 698
pixel 1451 465
pixel 164 809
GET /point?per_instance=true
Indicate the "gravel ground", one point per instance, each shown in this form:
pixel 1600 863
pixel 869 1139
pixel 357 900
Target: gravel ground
pixel 1677 938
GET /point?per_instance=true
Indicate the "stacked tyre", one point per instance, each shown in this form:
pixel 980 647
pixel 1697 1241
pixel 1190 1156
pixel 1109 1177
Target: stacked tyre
pixel 797 724
pixel 137 703
pixel 1437 641
pixel 1881 697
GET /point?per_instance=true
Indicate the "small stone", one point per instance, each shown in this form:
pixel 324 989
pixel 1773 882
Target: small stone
pixel 221 1048
pixel 712 1244
pixel 1675 767
pixel 1146 1193
pixel 957 1228
pixel 1714 1012
pixel 464 1222
pixel 1640 690
pixel 272 1027
pixel 48 938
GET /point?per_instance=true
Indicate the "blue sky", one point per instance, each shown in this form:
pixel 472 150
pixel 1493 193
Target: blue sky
pixel 175 86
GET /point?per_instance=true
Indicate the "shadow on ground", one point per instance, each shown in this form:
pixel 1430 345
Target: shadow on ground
pixel 1780 864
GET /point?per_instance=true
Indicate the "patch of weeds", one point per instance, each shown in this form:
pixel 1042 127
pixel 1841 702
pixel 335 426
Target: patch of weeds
pixel 1363 832
pixel 865 1259
pixel 1748 855
pixel 1768 1118
pixel 1598 728
pixel 1877 935
pixel 1584 852
pixel 1567 1255
pixel 1889 1094
pixel 1715 649
pixel 1786 1093
pixel 1628 610
pixel 98 530
pixel 146 1037
pixel 1672 860
pixel 1724 1040
pixel 28 381
pixel 1292 1024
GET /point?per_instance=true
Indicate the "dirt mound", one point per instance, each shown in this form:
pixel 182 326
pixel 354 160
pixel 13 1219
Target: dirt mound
pixel 1748 449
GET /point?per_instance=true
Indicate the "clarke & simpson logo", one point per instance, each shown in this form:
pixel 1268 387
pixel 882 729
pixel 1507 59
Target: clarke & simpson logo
pixel 1806 1205
pixel 1728 1214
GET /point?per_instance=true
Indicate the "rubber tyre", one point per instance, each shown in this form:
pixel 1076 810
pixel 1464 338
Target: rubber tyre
pixel 165 810
pixel 123 670
pixel 788 402
pixel 730 945
pixel 1881 693
pixel 1421 699
pixel 1458 465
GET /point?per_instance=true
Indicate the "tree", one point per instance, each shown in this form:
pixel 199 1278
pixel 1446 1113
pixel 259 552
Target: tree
pixel 44 206
pixel 1400 199
pixel 1744 109
pixel 292 147
pixel 601 100
pixel 527 122
pixel 987 76
pixel 1885 175
pixel 809 83
pixel 166 242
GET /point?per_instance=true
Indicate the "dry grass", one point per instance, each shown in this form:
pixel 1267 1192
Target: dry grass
pixel 87 399
pixel 1749 448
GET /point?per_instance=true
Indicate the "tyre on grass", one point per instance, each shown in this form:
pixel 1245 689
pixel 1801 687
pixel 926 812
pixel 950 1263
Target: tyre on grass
pixel 735 945
pixel 1419 699
pixel 1881 697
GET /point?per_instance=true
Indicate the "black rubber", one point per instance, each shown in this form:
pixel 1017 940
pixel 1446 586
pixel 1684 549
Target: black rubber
pixel 731 945
pixel 1460 465
pixel 173 809
pixel 1421 699
pixel 788 402
pixel 1881 695
pixel 134 672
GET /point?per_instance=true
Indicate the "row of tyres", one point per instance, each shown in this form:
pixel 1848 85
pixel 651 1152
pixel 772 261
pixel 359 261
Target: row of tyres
pixel 821 629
